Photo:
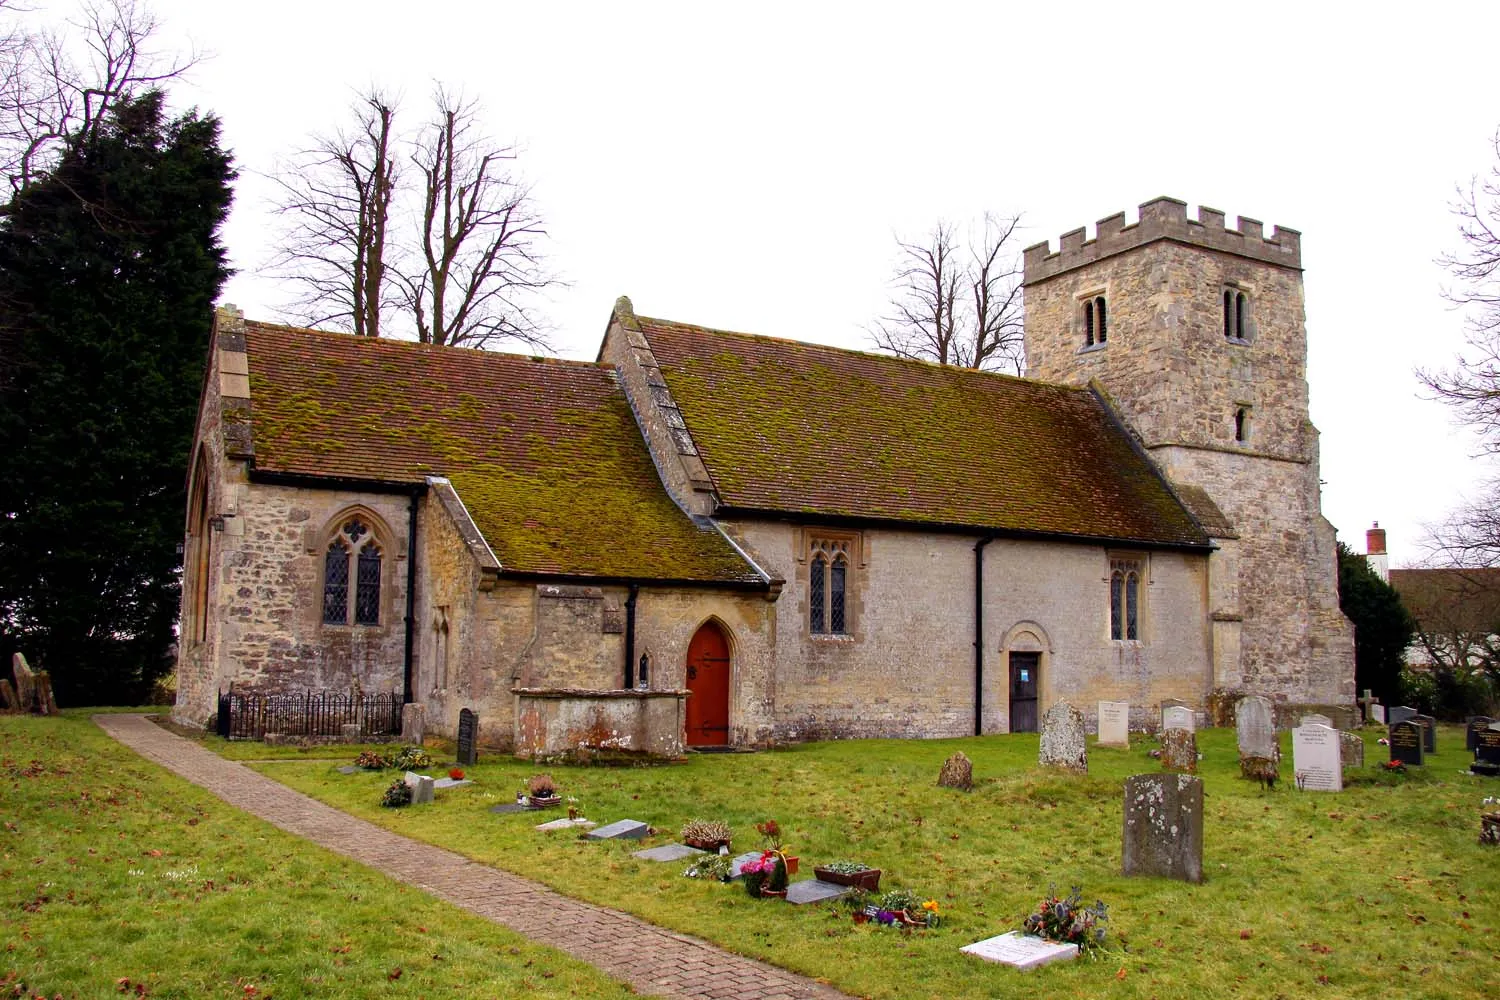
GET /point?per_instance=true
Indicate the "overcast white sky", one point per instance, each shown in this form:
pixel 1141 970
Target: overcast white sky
pixel 746 166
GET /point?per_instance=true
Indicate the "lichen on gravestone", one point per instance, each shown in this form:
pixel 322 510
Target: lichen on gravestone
pixel 957 772
pixel 1179 751
pixel 1062 741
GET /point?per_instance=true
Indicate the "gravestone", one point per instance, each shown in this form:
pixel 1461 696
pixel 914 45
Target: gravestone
pixel 1062 739
pixel 1164 826
pixel 811 890
pixel 1179 751
pixel 1255 728
pixel 1377 713
pixel 1178 717
pixel 957 772
pixel 624 829
pixel 8 700
pixel 25 683
pixel 1487 751
pixel 1024 951
pixel 1114 723
pixel 1315 719
pixel 421 788
pixel 668 852
pixel 1399 713
pixel 468 733
pixel 348 769
pixel 443 783
pixel 740 861
pixel 1406 743
pixel 566 824
pixel 1351 749
pixel 1471 734
pixel 413 723
pixel 1317 759
pixel 1429 732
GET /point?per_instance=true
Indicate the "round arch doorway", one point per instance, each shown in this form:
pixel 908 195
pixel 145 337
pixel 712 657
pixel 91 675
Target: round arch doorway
pixel 708 675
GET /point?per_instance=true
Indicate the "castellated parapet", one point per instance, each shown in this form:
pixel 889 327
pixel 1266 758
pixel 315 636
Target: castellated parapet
pixel 1165 219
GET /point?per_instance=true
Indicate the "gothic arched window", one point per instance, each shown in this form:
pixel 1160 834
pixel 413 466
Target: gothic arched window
pixel 828 586
pixel 1124 599
pixel 353 555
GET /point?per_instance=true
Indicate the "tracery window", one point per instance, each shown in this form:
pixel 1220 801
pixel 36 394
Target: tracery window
pixel 1124 599
pixel 828 603
pixel 352 555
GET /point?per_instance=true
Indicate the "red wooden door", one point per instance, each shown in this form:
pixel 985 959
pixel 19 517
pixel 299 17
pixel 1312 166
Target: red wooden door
pixel 708 680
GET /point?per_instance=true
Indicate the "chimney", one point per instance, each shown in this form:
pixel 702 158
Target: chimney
pixel 1375 552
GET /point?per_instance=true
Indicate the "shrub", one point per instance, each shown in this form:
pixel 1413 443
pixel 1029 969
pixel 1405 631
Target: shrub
pixel 1067 920
pixel 397 795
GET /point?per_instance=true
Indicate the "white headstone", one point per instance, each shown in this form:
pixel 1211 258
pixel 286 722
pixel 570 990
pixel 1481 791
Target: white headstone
pixel 1178 717
pixel 1114 723
pixel 1316 759
pixel 1377 712
pixel 1024 951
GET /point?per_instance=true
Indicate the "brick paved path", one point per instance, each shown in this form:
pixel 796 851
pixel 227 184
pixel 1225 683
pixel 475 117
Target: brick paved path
pixel 652 960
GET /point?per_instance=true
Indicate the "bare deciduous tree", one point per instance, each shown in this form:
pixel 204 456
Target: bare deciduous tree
pixel 56 85
pixel 958 305
pixel 337 198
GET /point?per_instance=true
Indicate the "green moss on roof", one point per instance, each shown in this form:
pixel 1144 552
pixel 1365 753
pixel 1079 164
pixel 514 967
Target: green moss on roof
pixel 803 428
pixel 545 454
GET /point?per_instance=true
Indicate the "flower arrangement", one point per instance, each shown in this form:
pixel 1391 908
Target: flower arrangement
pixel 372 760
pixel 1067 920
pixel 456 773
pixel 397 795
pixel 765 875
pixel 711 866
pixel 1394 767
pixel 412 758
pixel 770 834
pixel 707 834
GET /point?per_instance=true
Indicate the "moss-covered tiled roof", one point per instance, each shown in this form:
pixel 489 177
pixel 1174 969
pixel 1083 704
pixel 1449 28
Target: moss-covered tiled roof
pixel 801 428
pixel 545 454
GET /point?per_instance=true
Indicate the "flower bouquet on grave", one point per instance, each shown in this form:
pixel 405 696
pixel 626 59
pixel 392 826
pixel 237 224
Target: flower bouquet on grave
pixel 766 876
pixel 1067 921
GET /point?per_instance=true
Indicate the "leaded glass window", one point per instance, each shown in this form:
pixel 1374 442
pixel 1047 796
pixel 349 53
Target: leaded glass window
pixel 1124 599
pixel 336 583
pixel 1116 588
pixel 352 557
pixel 836 576
pixel 367 595
pixel 816 587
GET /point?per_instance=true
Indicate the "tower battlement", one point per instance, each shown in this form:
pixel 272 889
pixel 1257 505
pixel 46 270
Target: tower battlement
pixel 1165 219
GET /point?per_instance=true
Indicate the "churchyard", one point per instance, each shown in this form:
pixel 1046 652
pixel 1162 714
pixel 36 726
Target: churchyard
pixel 1378 890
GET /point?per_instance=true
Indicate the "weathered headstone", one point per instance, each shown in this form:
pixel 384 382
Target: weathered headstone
pixel 421 788
pixel 1377 714
pixel 25 683
pixel 957 772
pixel 1317 719
pixel 1429 732
pixel 1406 742
pixel 811 890
pixel 625 829
pixel 1471 734
pixel 1164 826
pixel 1062 742
pixel 668 852
pixel 1317 759
pixel 8 700
pixel 1179 717
pixel 1255 727
pixel 468 733
pixel 413 723
pixel 1399 713
pixel 1179 751
pixel 1024 951
pixel 1114 723
pixel 1351 749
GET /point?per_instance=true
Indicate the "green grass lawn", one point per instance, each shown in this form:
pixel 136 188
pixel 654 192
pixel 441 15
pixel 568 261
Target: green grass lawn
pixel 1380 891
pixel 118 878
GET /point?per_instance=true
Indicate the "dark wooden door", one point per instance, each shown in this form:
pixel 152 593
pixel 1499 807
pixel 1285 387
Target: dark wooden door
pixel 708 680
pixel 1023 677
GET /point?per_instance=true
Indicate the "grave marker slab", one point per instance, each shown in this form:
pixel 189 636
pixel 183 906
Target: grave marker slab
pixel 1179 751
pixel 812 890
pixel 421 788
pixel 1317 759
pixel 348 769
pixel 1316 719
pixel 567 824
pixel 740 861
pixel 1024 951
pixel 1164 826
pixel 1255 727
pixel 1377 713
pixel 1179 717
pixel 624 829
pixel 1471 734
pixel 1351 749
pixel 1062 742
pixel 668 852
pixel 1400 713
pixel 1429 732
pixel 1114 723
pixel 442 783
pixel 1406 743
pixel 468 733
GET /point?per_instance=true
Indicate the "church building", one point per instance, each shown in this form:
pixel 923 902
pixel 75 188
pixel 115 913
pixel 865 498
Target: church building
pixel 707 538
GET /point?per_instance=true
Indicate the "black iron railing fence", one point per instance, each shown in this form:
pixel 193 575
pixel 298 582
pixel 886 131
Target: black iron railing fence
pixel 310 714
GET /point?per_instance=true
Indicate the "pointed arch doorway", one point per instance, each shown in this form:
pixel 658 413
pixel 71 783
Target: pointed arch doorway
pixel 708 675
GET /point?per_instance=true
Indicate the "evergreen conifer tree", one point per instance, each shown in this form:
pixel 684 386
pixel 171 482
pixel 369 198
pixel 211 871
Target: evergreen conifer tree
pixel 109 268
pixel 1383 628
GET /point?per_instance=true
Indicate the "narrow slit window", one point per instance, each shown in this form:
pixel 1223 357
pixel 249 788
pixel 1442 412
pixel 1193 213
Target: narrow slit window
pixel 836 577
pixel 1229 315
pixel 1239 316
pixel 1088 323
pixel 1242 425
pixel 1100 323
pixel 1116 599
pixel 815 591
pixel 1132 605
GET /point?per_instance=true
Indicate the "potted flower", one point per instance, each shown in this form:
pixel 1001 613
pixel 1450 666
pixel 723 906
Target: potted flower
pixel 765 876
pixel 861 876
pixel 456 774
pixel 707 834
pixel 770 836
pixel 541 792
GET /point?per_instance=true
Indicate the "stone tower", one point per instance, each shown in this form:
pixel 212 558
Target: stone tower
pixel 1196 335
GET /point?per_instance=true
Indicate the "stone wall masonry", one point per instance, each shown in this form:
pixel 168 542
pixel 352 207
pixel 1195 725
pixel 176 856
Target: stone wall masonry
pixel 907 669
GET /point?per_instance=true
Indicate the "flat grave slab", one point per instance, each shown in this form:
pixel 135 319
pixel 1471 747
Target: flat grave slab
pixel 622 829
pixel 567 824
pixel 740 861
pixel 1024 951
pixel 668 852
pixel 348 769
pixel 442 783
pixel 815 890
